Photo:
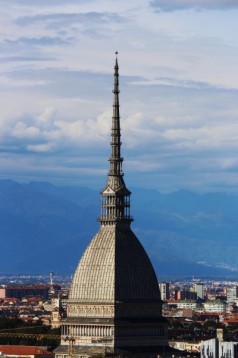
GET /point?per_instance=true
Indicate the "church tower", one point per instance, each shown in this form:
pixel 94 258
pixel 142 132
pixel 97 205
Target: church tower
pixel 114 306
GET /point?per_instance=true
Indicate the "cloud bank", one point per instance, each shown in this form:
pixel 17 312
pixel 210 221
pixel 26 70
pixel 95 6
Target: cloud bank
pixel 174 5
pixel 178 92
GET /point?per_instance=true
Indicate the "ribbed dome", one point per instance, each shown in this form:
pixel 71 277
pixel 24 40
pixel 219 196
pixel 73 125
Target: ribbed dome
pixel 114 268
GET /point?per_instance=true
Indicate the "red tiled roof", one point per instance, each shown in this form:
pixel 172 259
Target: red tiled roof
pixel 231 320
pixel 24 350
pixel 207 314
pixel 11 299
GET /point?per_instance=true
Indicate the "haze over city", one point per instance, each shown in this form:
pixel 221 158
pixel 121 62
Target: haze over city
pixel 178 91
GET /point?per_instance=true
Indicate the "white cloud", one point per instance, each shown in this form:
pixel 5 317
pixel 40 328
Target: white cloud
pixel 85 132
pixel 208 137
pixel 47 116
pixel 41 148
pixel 22 131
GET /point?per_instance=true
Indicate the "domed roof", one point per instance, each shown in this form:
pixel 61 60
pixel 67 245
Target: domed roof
pixel 114 268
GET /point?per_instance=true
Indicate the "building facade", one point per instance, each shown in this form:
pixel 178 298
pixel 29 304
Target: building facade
pixel 27 291
pixel 187 304
pixel 218 348
pixel 164 290
pixel 216 306
pixel 185 295
pixel 114 306
pixel 232 294
pixel 215 349
pixel 199 289
pixel 24 352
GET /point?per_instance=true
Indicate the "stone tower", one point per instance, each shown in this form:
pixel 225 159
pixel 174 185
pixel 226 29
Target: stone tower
pixel 114 306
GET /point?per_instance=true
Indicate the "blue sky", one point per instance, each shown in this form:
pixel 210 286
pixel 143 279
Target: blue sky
pixel 179 91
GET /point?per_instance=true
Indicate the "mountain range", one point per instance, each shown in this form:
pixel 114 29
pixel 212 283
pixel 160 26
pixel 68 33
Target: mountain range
pixel 46 228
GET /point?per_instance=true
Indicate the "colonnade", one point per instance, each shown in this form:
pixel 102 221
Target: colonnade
pixel 115 206
pixel 87 330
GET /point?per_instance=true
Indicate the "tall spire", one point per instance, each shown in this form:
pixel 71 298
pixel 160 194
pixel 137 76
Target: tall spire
pixel 115 159
pixel 115 203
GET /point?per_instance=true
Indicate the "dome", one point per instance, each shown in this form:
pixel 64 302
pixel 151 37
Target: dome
pixel 114 268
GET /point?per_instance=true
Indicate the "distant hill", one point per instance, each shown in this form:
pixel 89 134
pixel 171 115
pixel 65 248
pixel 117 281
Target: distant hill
pixel 44 227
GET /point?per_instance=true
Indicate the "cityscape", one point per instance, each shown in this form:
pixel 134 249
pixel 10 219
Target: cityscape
pixel 114 305
pixel 118 179
pixel 197 311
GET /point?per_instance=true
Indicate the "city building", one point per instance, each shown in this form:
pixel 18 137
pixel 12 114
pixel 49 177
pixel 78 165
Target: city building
pixel 185 346
pixel 164 290
pixel 25 351
pixel 114 306
pixel 185 295
pixel 217 348
pixel 214 349
pixel 187 304
pixel 199 289
pixel 56 311
pixel 26 291
pixel 215 306
pixel 232 294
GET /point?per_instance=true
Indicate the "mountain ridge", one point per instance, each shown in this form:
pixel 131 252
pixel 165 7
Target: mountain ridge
pixel 44 227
